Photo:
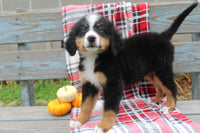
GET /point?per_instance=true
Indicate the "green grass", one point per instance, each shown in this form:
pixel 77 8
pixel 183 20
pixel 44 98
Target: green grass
pixel 10 93
pixel 44 89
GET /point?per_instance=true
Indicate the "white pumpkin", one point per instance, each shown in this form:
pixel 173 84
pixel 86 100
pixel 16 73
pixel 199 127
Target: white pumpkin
pixel 67 93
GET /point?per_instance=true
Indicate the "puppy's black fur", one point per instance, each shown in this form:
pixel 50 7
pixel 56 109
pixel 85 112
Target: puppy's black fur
pixel 124 62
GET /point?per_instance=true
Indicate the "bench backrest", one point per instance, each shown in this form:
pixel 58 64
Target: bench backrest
pixel 47 26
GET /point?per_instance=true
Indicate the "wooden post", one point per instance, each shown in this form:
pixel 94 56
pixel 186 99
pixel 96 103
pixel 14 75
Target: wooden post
pixel 27 92
pixel 196 75
pixel 27 86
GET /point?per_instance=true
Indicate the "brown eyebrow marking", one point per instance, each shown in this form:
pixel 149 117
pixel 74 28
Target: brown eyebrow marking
pixel 99 24
pixel 85 25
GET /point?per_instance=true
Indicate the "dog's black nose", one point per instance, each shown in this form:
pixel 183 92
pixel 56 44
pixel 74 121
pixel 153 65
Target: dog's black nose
pixel 91 39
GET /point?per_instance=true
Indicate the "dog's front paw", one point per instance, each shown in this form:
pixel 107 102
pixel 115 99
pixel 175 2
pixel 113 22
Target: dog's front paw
pixel 165 109
pixel 168 109
pixel 102 128
pixel 98 130
pixel 156 101
pixel 74 124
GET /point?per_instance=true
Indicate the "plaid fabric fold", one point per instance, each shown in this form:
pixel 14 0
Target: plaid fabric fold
pixel 136 114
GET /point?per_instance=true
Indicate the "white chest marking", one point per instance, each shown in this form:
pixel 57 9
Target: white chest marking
pixel 88 73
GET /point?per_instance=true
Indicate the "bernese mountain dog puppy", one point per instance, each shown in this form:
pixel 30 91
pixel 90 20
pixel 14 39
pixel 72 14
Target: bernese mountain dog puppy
pixel 109 63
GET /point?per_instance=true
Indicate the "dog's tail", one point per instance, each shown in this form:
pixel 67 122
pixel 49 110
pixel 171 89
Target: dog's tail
pixel 177 22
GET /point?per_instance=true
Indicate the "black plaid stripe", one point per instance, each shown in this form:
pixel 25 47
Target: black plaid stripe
pixel 147 90
pixel 136 20
pixel 92 9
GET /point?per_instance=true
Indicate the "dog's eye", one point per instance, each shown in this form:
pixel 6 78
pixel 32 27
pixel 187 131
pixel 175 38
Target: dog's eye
pixel 81 33
pixel 84 27
pixel 100 28
pixel 83 30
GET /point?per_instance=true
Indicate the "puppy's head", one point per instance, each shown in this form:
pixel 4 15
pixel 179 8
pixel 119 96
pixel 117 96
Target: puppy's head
pixel 93 34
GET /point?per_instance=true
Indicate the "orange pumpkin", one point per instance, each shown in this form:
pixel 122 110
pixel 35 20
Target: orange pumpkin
pixel 56 107
pixel 78 100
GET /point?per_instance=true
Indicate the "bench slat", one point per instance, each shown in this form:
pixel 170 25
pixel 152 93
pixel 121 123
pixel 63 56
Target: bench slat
pixel 191 109
pixel 50 64
pixel 54 126
pixel 23 65
pixel 38 119
pixel 32 119
pixel 30 27
pixel 47 26
pixel 25 113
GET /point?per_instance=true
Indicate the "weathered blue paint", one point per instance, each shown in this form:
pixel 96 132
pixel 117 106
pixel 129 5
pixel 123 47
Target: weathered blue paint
pixel 33 65
pixel 39 27
pixel 187 57
pixel 30 27
pixel 162 16
pixel 51 64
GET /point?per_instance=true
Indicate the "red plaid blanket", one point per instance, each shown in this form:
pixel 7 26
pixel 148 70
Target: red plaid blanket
pixel 138 116
pixel 136 113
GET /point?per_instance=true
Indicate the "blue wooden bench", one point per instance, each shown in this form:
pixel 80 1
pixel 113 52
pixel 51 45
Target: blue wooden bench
pixel 26 66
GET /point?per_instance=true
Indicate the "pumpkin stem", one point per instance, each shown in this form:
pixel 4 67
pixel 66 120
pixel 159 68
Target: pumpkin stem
pixel 65 88
pixel 59 102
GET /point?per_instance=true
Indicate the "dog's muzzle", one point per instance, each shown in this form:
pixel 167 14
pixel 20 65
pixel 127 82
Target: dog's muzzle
pixel 92 41
pixel 91 38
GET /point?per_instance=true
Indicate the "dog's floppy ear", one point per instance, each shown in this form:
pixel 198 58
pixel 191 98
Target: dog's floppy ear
pixel 115 40
pixel 70 44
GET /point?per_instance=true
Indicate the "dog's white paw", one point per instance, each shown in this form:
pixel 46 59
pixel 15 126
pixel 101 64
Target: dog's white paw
pixel 165 109
pixel 148 101
pixel 74 124
pixel 98 130
pixel 153 103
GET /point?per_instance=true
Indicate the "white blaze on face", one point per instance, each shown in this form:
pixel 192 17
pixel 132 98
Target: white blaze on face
pixel 92 19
